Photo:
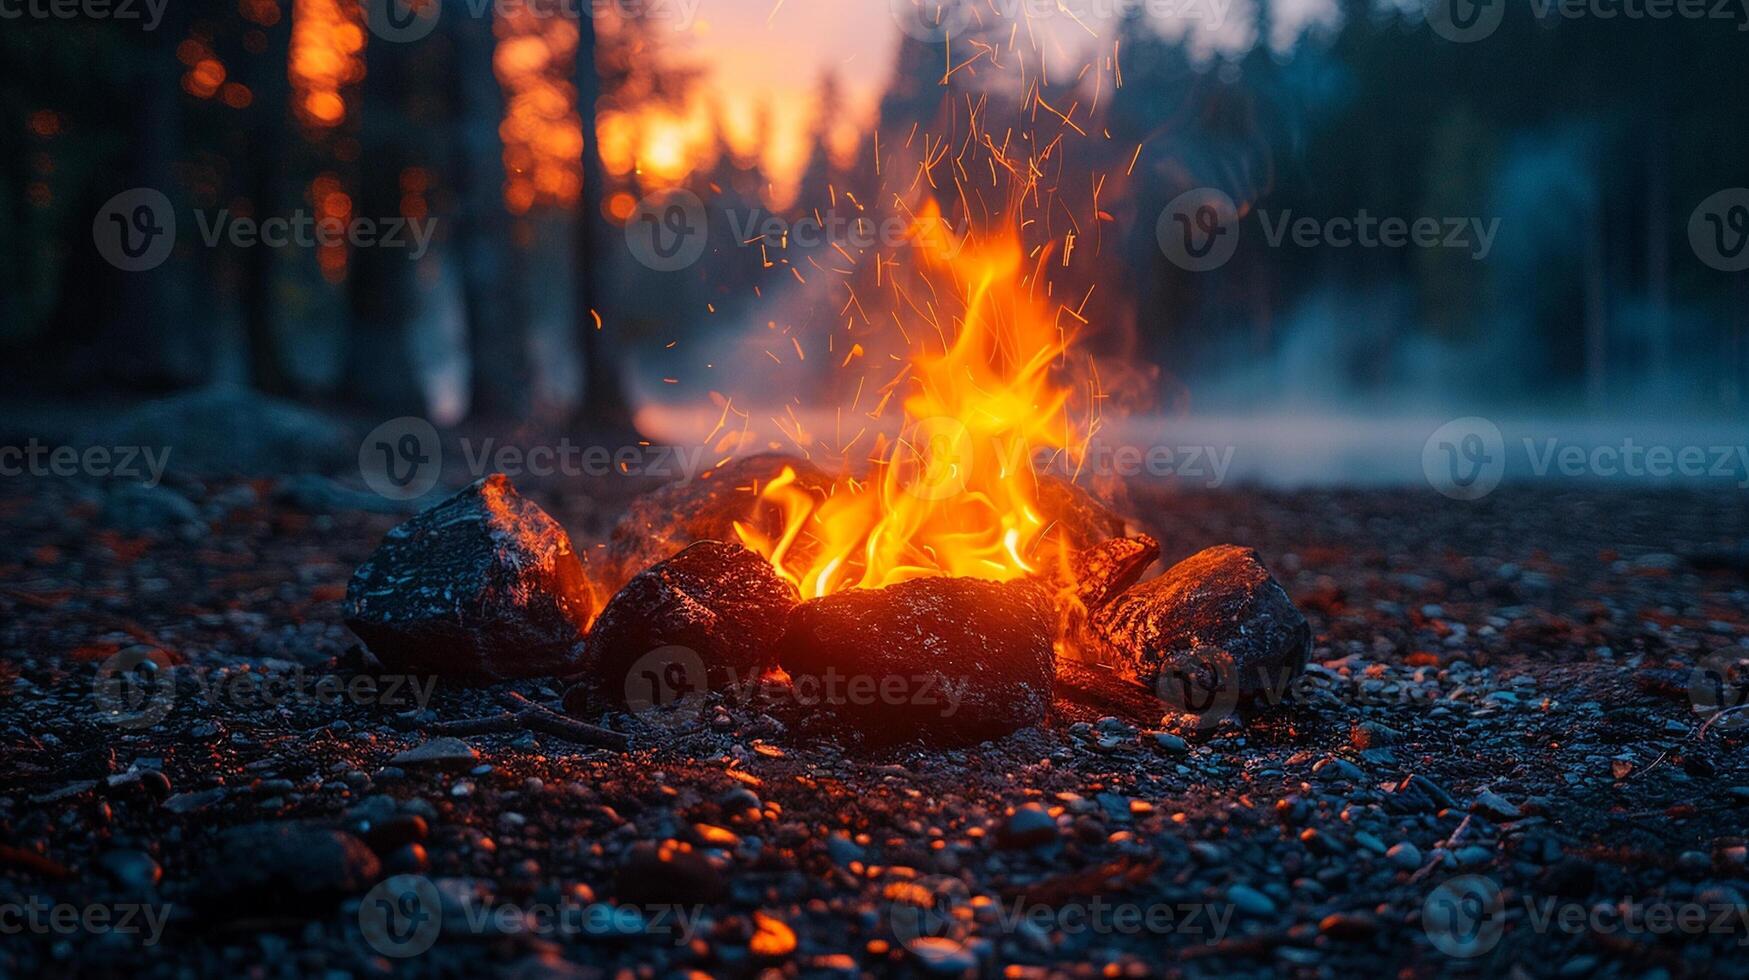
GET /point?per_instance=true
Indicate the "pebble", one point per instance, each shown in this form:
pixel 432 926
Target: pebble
pixel 1031 825
pixel 1250 901
pixel 1494 806
pixel 1405 856
pixel 134 871
pixel 444 752
pixel 943 957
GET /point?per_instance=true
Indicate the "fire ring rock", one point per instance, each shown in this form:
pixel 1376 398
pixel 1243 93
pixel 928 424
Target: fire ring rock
pixel 951 661
pixel 1215 619
pixel 709 616
pixel 482 587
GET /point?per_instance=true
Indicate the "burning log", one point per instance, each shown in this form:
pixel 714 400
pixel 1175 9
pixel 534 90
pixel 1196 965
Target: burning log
pixel 1080 519
pixel 719 607
pixel 1216 625
pixel 482 587
pixel 666 520
pixel 1105 570
pixel 947 660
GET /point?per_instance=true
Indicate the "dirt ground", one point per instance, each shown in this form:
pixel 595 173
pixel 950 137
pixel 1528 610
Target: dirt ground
pixel 1494 765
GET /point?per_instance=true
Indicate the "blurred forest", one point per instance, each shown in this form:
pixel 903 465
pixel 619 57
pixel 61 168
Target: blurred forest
pixel 1591 139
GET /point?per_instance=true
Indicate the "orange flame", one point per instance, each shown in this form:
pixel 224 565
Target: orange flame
pixel 984 394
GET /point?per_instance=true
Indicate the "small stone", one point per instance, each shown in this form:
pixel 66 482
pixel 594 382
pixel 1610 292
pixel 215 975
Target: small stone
pixel 1172 743
pixel 1495 807
pixel 284 867
pixel 134 871
pixel 844 851
pixel 1405 856
pixel 1348 926
pixel 1250 901
pixel 1030 825
pixel 942 956
pixel 668 873
pixel 443 752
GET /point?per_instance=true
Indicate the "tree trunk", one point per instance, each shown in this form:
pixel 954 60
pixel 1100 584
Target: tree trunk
pixel 603 407
pixel 381 286
pixel 266 183
pixel 500 363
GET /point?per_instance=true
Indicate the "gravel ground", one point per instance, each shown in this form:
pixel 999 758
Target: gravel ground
pixel 1494 765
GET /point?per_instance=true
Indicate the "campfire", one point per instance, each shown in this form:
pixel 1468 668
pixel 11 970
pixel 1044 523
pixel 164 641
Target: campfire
pixel 938 553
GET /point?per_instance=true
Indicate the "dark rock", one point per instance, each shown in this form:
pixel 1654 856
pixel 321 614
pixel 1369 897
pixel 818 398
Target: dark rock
pixel 284 868
pixel 943 660
pixel 482 587
pixel 222 430
pixel 1349 926
pixel 669 873
pixel 134 508
pixel 1218 606
pixel 720 607
pixel 704 508
pixel 135 871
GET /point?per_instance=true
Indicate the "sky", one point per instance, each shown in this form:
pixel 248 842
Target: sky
pixel 774 53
